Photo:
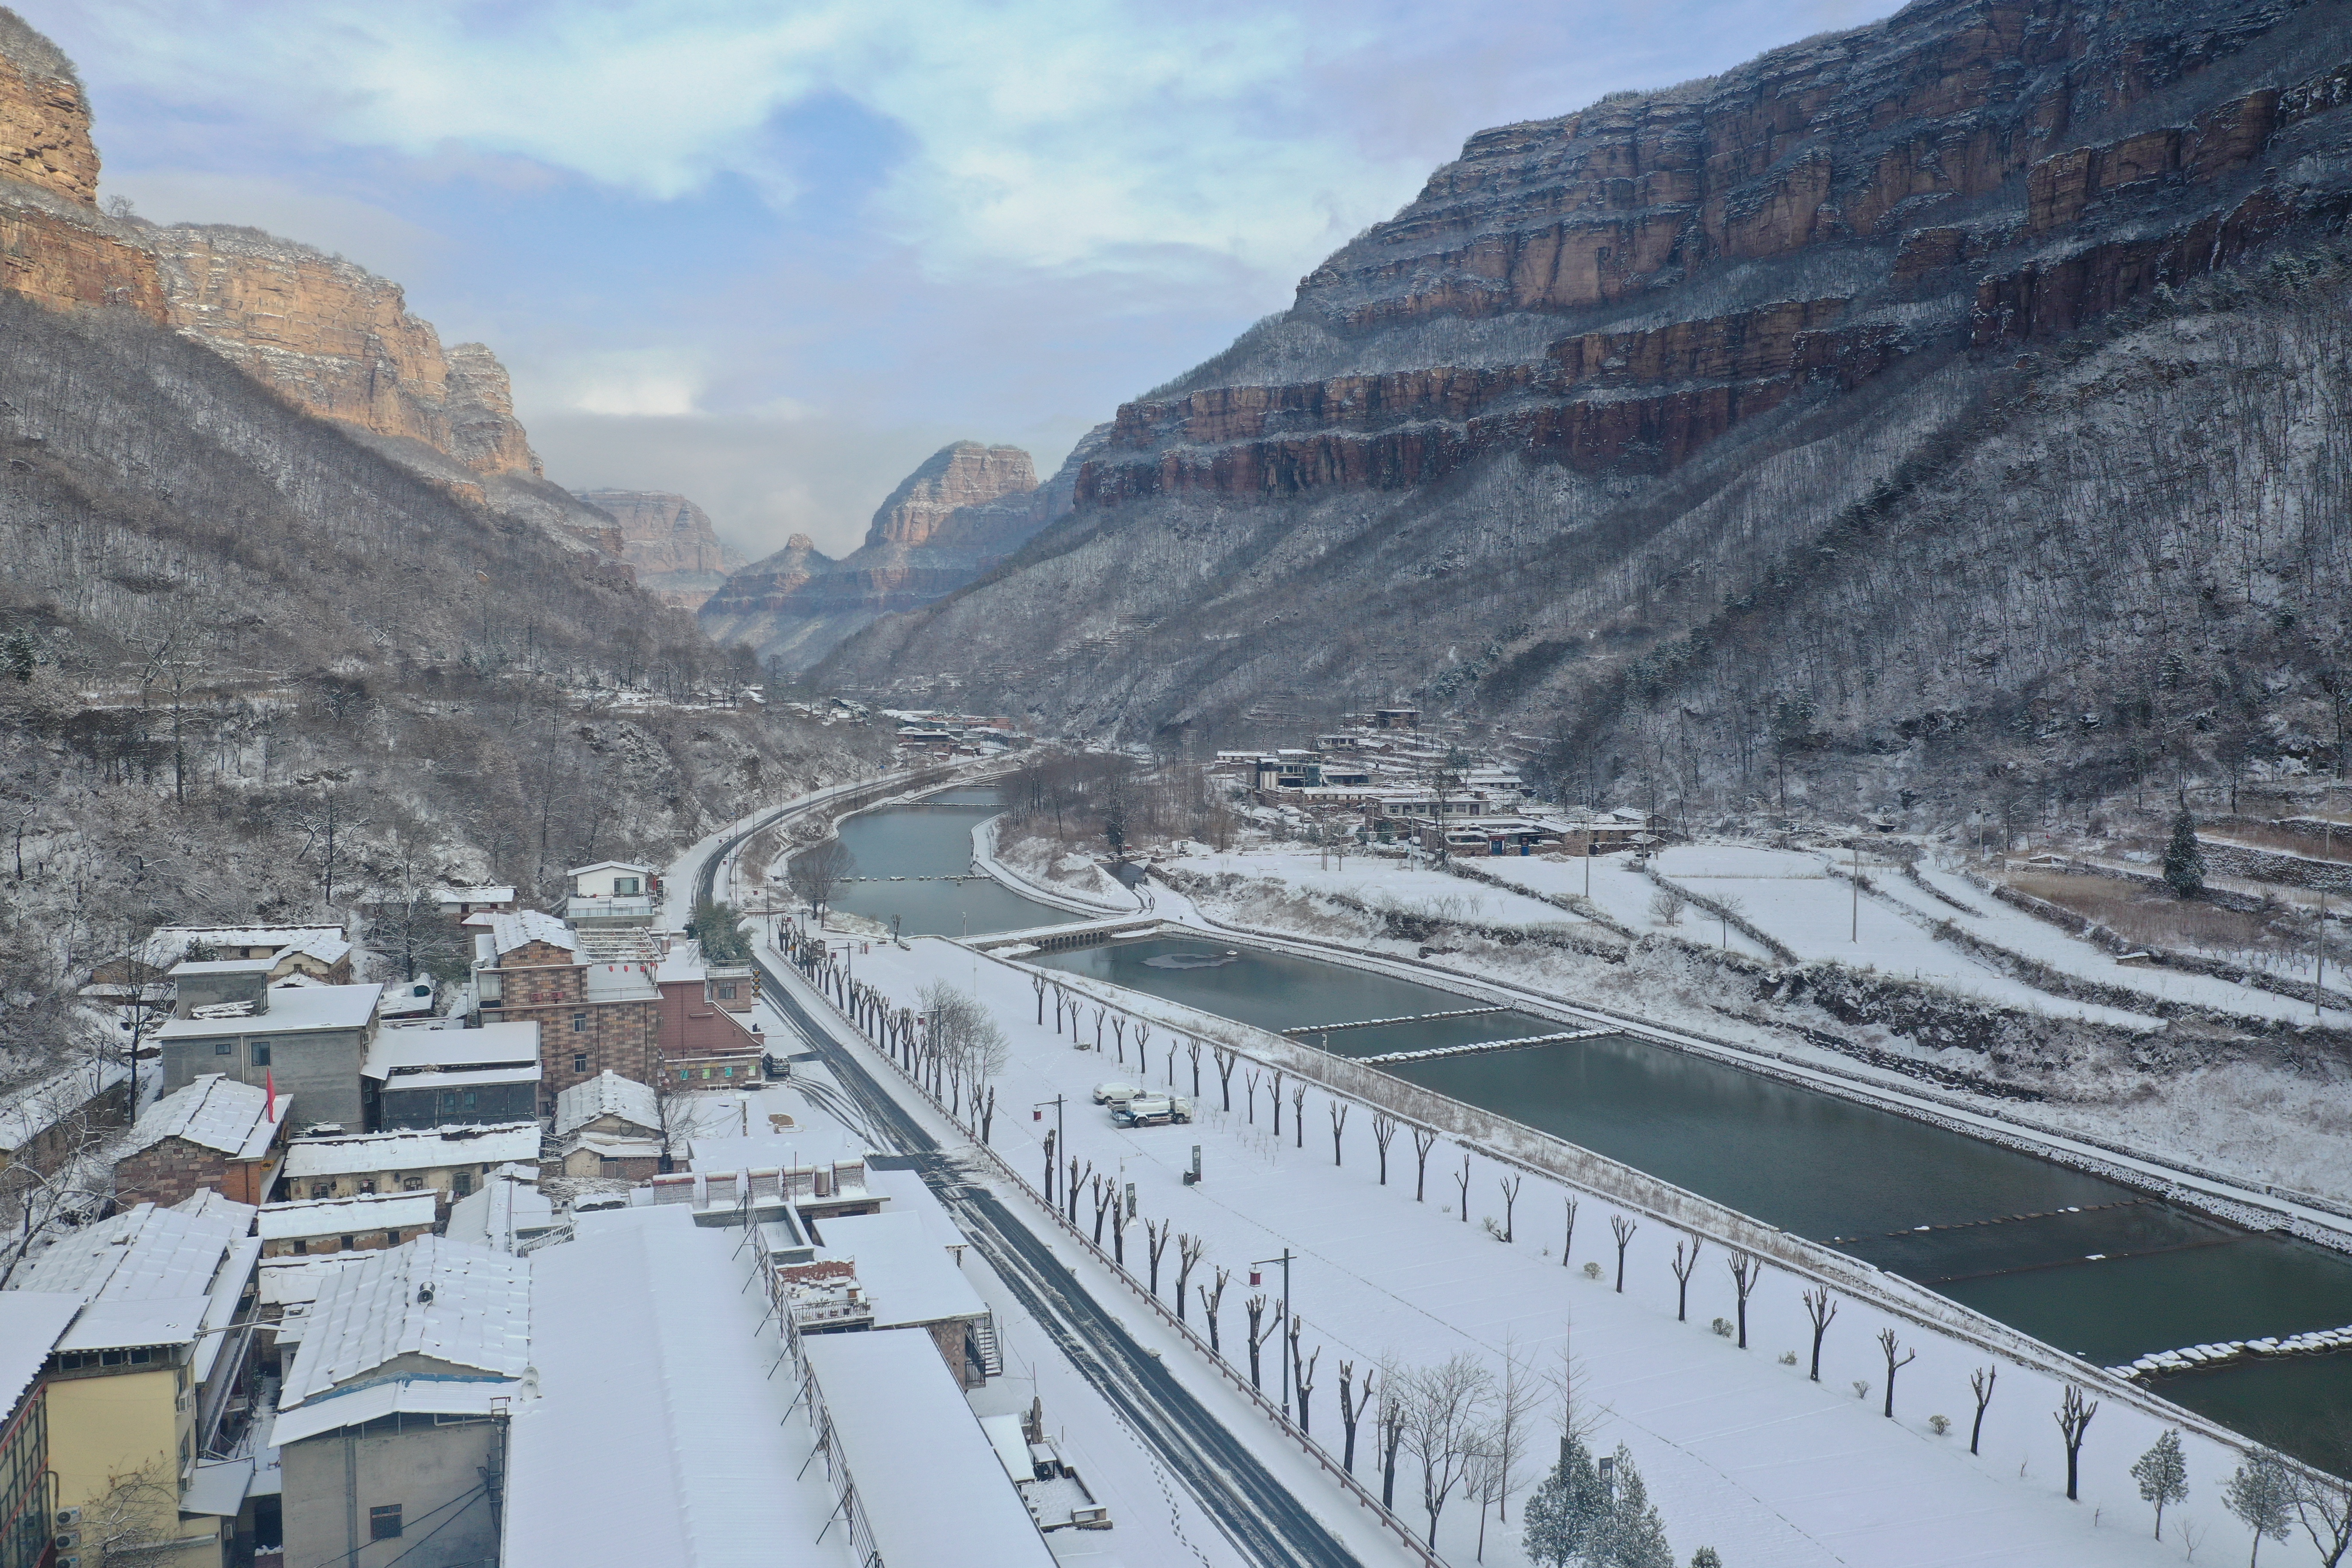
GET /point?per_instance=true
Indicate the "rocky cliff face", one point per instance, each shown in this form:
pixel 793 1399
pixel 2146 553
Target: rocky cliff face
pixel 1613 371
pixel 965 509
pixel 670 543
pixel 333 338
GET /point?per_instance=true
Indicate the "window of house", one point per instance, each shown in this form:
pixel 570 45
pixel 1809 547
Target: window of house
pixel 727 990
pixel 412 1184
pixel 142 1358
pixel 469 1099
pixel 368 1186
pixel 350 1242
pixel 261 1053
pixel 301 1248
pixel 462 1182
pixel 383 1524
pixel 579 1023
pixel 323 1189
pixel 624 885
pixel 580 1061
pixel 224 1047
pixel 391 1238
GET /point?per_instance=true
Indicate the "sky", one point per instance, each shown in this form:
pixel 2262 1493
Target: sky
pixel 772 255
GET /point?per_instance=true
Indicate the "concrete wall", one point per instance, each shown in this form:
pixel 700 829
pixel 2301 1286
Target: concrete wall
pixel 320 1068
pixel 433 1472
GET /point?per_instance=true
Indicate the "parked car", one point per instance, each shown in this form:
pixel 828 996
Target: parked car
pixel 1116 1091
pixel 1150 1111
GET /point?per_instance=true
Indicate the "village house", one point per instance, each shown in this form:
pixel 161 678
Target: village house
pixel 447 1078
pixel 485 900
pixel 609 1126
pixel 323 953
pixel 302 1226
pixel 612 893
pixel 309 1040
pixel 217 1133
pixel 46 1122
pixel 30 1324
pixel 1487 836
pixel 451 1161
pixel 394 1409
pixel 507 1213
pixel 899 1276
pixel 592 994
pixel 703 1039
pixel 155 1371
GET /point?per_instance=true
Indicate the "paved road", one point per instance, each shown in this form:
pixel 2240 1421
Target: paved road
pixel 1262 1520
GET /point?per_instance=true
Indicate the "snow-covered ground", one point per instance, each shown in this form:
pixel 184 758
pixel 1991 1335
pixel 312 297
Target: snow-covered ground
pixel 1383 885
pixel 1741 1451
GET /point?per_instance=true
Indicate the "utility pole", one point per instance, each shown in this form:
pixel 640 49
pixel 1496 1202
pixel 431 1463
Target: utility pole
pixel 1061 1133
pixel 1857 891
pixel 1279 1354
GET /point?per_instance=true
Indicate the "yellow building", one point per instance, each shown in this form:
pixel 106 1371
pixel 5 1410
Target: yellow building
pixel 141 1386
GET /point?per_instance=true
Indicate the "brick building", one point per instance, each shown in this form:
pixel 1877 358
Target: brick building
pixel 308 1227
pixel 592 994
pixel 215 1133
pixel 46 1122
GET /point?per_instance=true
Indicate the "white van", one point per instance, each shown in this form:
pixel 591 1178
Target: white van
pixel 1152 1110
pixel 1116 1091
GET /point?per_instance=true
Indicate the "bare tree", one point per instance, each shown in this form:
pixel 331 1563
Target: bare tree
pixel 1352 1410
pixel 2073 1418
pixel 1462 1183
pixel 1302 1375
pixel 1156 1240
pixel 1746 1270
pixel 1391 1431
pixel 1820 1309
pixel 1249 1094
pixel 1104 1193
pixel 1384 1127
pixel 2323 1503
pixel 1193 1053
pixel 1510 1186
pixel 1567 1237
pixel 1624 1229
pixel 1686 1262
pixel 1886 1342
pixel 815 871
pixel 1338 1110
pixel 1225 1060
pixel 674 1107
pixel 1299 1113
pixel 1515 1409
pixel 1424 1140
pixel 1212 1302
pixel 137 1513
pixel 1188 1257
pixel 1443 1407
pixel 1980 1384
pixel 1260 1331
pixel 1275 1097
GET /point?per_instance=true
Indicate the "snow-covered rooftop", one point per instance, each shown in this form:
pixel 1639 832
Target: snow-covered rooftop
pixel 486 894
pixel 606 1094
pixel 890 1398
pixel 505 1210
pixel 30 1322
pixel 512 932
pixel 143 1254
pixel 466 1306
pixel 906 1275
pixel 706 1475
pixel 167 945
pixel 214 1112
pixel 356 1407
pixel 291 1009
pixel 334 1216
pixel 32 1109
pixel 396 1050
pixel 429 1148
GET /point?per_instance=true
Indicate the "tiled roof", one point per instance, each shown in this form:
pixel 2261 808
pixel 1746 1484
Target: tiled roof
pixel 512 932
pixel 331 1216
pixel 215 1112
pixel 608 1093
pixel 27 1112
pixel 365 1152
pixel 465 1305
pixel 145 1253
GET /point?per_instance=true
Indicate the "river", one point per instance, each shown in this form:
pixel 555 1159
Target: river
pixel 2080 1262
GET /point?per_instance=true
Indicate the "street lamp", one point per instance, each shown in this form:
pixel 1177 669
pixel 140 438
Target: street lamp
pixel 1281 1352
pixel 1061 1137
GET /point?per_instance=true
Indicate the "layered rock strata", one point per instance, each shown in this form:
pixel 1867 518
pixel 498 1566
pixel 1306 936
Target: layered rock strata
pixel 1591 343
pixel 968 507
pixel 669 541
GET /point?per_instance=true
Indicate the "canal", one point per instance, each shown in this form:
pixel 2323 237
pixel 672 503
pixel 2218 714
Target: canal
pixel 2092 1266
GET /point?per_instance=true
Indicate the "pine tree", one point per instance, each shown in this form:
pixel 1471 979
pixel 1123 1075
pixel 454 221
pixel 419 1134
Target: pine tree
pixel 1631 1535
pixel 1561 1514
pixel 2162 1475
pixel 1706 1557
pixel 2261 1492
pixel 2184 858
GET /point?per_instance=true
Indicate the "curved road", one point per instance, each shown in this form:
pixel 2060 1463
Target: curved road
pixel 1261 1517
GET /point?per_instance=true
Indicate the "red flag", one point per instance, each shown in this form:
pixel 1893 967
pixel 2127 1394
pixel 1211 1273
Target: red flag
pixel 270 1080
